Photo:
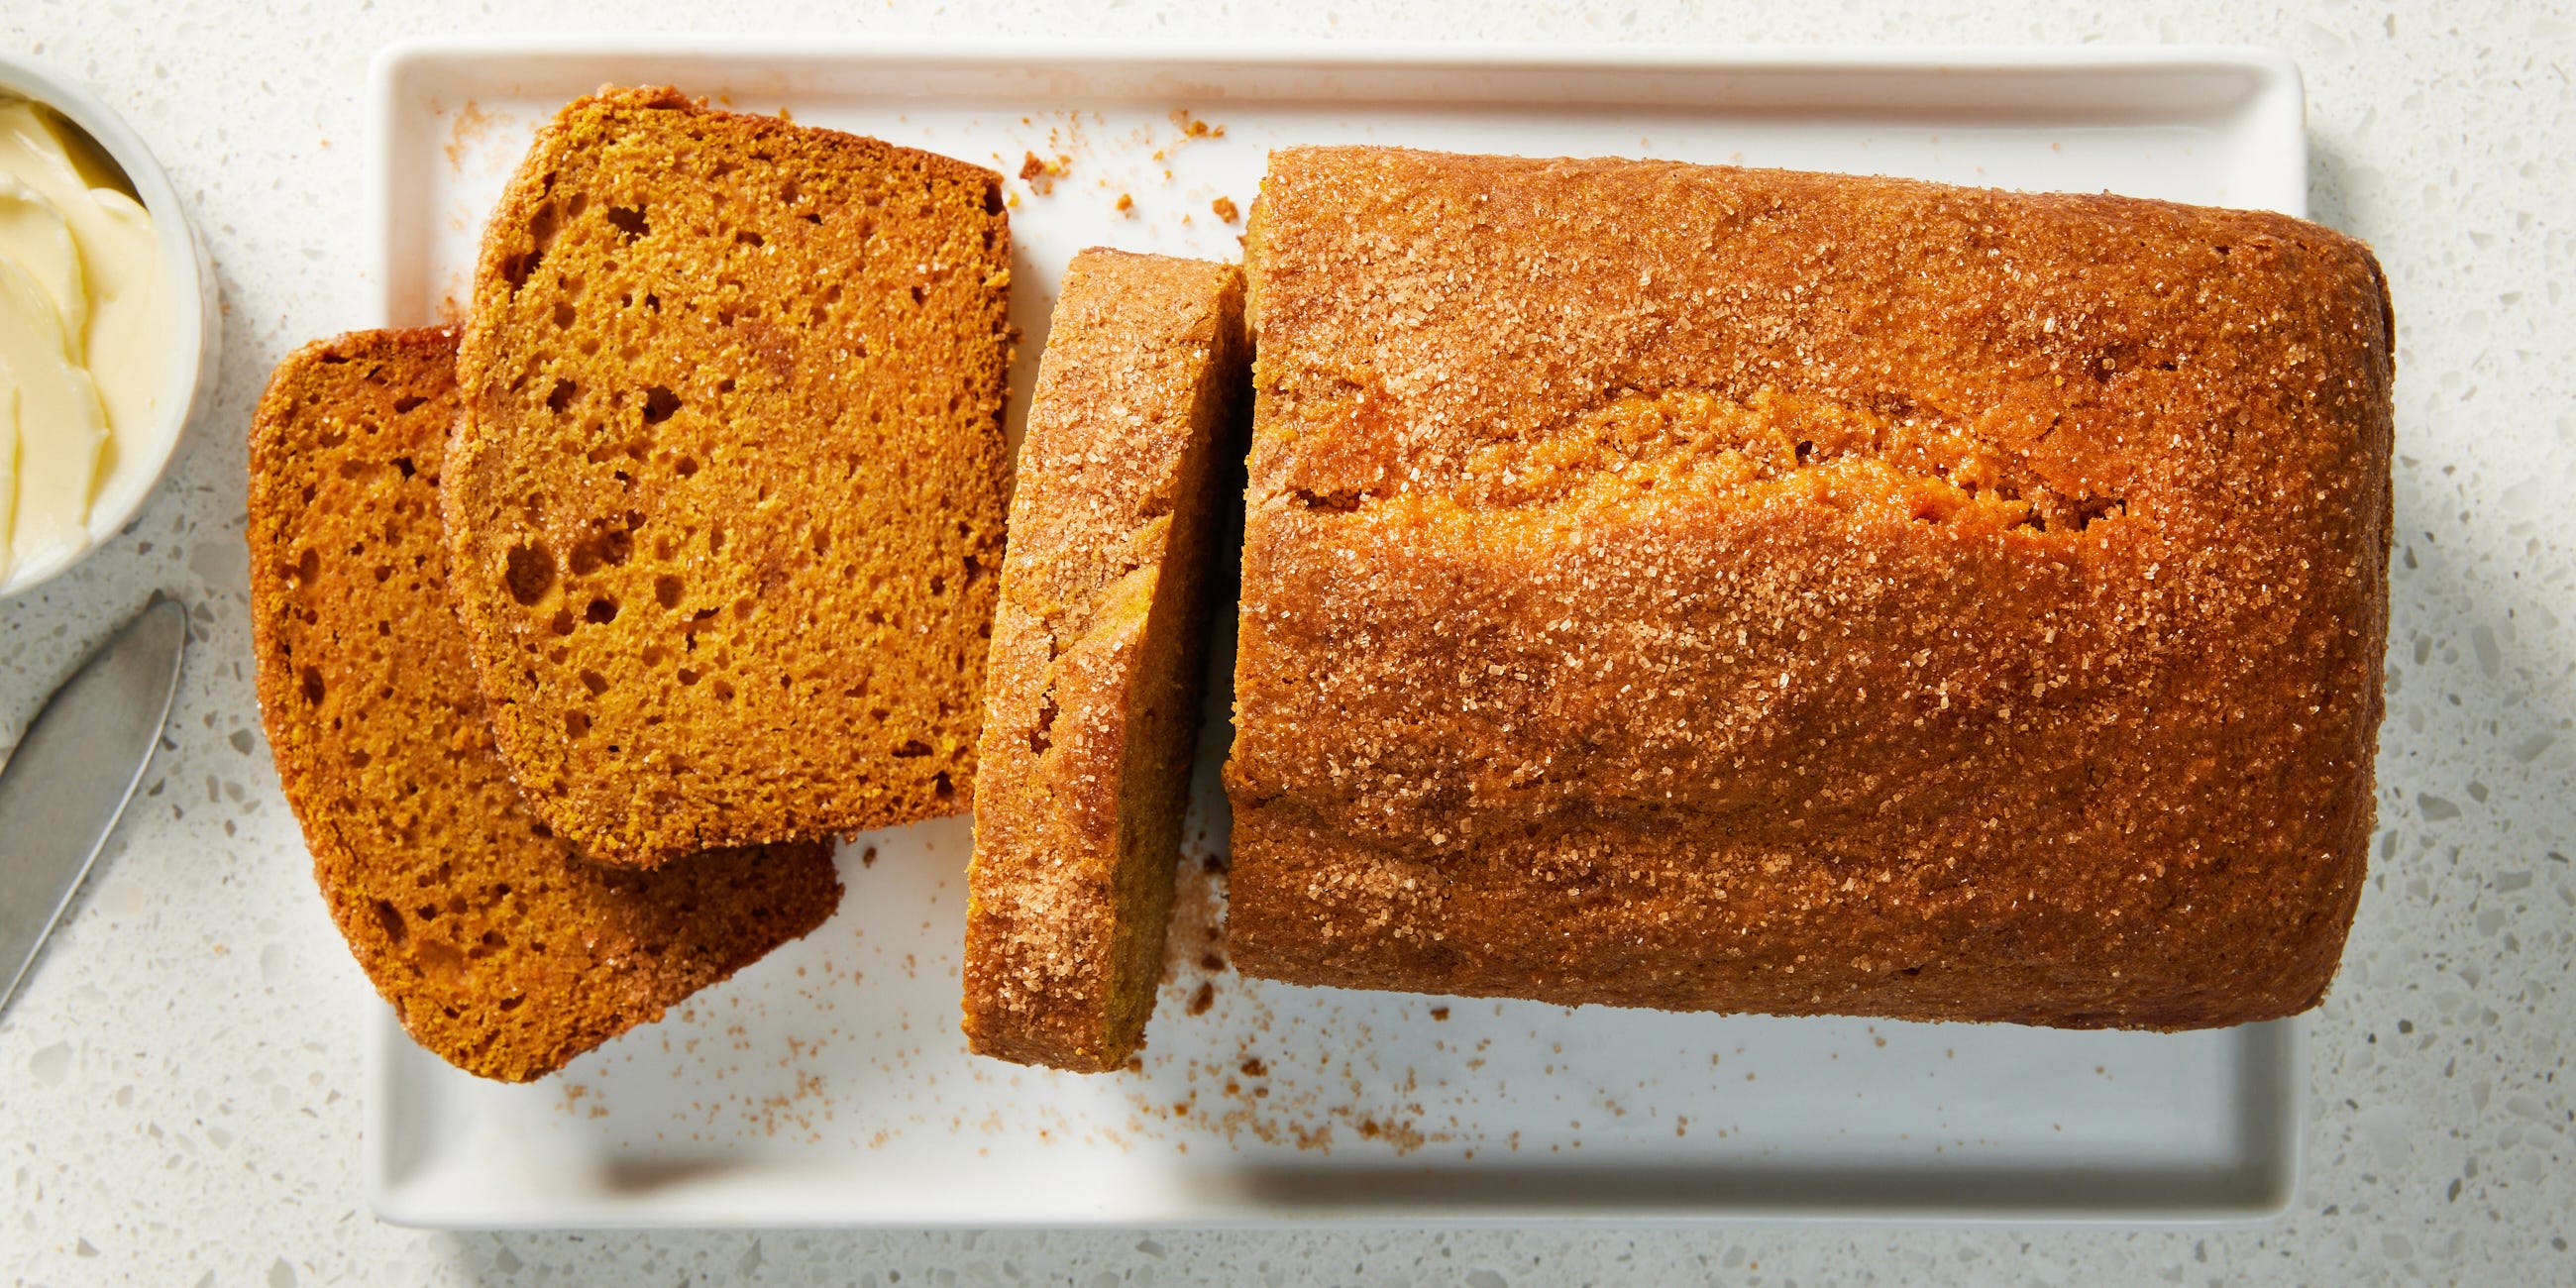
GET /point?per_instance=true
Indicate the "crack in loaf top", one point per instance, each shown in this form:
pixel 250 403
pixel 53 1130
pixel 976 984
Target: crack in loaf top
pixel 1511 305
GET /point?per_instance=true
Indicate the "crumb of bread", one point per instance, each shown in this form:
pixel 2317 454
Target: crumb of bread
pixel 728 497
pixel 500 949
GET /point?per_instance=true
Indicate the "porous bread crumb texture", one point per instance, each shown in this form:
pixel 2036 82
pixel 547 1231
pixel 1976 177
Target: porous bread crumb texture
pixel 501 951
pixel 729 495
pixel 1740 590
pixel 1093 694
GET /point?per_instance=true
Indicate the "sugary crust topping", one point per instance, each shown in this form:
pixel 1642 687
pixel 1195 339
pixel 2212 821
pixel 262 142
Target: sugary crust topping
pixel 1091 696
pixel 1851 571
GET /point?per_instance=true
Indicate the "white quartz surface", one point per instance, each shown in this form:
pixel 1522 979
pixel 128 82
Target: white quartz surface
pixel 179 1079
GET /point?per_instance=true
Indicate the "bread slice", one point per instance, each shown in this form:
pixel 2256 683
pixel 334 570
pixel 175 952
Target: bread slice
pixel 1706 588
pixel 501 951
pixel 726 508
pixel 1093 692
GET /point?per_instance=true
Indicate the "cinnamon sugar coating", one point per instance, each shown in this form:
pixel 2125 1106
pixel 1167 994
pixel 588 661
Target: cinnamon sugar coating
pixel 1742 590
pixel 1092 695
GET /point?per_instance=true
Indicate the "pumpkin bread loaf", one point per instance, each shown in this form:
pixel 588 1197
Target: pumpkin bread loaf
pixel 1708 588
pixel 726 505
pixel 1092 696
pixel 499 948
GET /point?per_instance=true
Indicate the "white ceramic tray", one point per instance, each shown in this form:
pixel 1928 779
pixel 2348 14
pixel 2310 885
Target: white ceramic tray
pixel 828 1085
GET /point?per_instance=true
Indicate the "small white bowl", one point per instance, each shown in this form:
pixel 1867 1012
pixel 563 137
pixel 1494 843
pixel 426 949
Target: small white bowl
pixel 195 335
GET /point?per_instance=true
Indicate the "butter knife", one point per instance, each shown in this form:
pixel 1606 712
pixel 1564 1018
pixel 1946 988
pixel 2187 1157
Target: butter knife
pixel 63 788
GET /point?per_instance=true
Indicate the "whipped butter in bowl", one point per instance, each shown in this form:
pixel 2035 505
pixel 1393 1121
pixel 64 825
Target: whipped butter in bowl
pixel 105 324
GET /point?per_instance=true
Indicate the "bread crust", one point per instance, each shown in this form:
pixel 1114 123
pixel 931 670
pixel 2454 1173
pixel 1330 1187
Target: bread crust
pixel 1093 693
pixel 501 951
pixel 729 490
pixel 1740 590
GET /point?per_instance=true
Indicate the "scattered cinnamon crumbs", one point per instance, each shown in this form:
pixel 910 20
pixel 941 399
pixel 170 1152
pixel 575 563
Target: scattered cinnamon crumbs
pixel 1041 173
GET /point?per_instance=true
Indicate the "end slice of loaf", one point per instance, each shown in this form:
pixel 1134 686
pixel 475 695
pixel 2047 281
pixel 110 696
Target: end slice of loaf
pixel 726 508
pixel 500 949
pixel 1093 690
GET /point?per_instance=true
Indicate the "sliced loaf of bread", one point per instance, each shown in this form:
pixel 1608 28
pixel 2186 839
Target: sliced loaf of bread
pixel 500 949
pixel 1093 691
pixel 1752 591
pixel 726 506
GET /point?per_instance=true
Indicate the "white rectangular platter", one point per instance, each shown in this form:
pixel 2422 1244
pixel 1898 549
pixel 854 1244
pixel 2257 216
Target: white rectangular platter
pixel 828 1085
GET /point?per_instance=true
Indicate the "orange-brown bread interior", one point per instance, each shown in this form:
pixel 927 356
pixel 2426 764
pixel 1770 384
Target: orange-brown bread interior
pixel 500 950
pixel 728 500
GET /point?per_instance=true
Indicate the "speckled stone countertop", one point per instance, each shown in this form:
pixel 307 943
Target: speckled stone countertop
pixel 180 1079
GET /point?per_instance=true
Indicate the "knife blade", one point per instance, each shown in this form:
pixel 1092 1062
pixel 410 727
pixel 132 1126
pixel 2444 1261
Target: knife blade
pixel 63 788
